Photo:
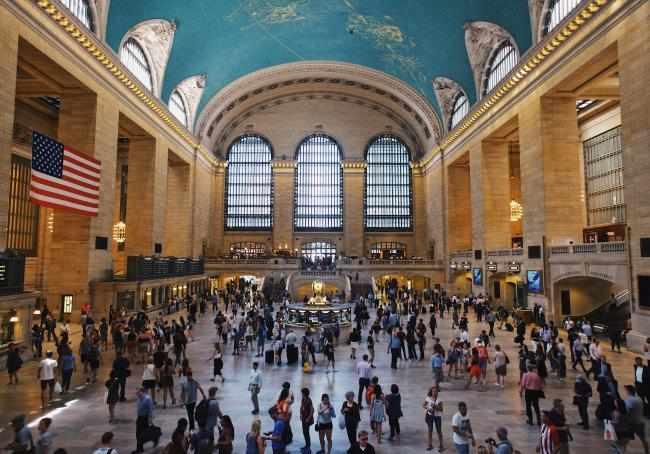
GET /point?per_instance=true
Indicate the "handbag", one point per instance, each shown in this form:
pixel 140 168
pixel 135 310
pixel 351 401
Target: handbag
pixel 609 434
pixel 58 388
pixel 342 423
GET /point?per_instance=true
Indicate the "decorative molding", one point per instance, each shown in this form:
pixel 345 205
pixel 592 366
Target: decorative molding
pixel 481 39
pixel 191 89
pixel 349 164
pixel 156 36
pixel 227 131
pixel 446 91
pixel 283 164
pixel 107 58
pixel 531 60
pixel 318 72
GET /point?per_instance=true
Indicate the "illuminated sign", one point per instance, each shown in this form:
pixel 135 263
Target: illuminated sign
pixel 491 266
pixel 514 267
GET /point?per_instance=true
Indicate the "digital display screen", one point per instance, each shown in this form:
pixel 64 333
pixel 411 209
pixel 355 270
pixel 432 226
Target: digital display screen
pixel 534 278
pixel 477 276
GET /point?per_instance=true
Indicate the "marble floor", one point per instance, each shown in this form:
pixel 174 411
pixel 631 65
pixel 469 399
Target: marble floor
pixel 81 417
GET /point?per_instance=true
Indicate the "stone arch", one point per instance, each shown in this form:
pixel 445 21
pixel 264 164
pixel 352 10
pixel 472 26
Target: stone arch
pixel 191 90
pixel 322 78
pixel 156 37
pixel 446 91
pixel 481 41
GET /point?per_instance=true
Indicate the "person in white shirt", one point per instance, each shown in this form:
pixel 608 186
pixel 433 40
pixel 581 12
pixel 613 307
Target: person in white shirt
pixel 105 448
pixel 46 374
pixel 254 386
pixel 433 415
pixel 149 379
pixel 462 428
pixel 586 329
pixel 363 370
pixel 595 355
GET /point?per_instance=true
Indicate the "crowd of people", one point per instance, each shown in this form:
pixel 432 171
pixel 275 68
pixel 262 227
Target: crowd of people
pixel 405 322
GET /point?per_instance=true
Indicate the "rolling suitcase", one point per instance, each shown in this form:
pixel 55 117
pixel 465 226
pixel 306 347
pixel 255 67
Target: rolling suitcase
pixel 152 434
pixel 269 356
pixel 292 354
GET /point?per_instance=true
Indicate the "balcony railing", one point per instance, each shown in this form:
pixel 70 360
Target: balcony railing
pixel 506 252
pixel 251 261
pixel 460 255
pixel 588 249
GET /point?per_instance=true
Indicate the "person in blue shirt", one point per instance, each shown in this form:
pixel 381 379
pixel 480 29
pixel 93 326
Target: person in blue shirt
pixel 67 367
pixel 277 437
pixel 437 363
pixel 145 416
pixel 395 348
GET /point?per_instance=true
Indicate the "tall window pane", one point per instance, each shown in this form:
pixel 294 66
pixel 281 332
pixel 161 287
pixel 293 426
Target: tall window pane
pixel 388 185
pixel 318 201
pixel 460 110
pixel 22 228
pixel 135 60
pixel 603 157
pixel 177 107
pixel 557 11
pixel 249 186
pixel 81 11
pixel 503 60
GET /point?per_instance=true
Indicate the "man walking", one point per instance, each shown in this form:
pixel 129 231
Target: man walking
pixel 462 428
pixel 254 386
pixel 121 367
pixel 531 388
pixel 363 370
pixel 46 374
pixel 145 416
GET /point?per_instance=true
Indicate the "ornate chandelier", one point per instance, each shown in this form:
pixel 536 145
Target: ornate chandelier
pixel 516 211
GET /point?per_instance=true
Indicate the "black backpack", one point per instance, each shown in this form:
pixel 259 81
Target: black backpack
pixel 201 412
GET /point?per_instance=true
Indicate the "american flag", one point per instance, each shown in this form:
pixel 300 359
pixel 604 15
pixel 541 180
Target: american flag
pixel 63 178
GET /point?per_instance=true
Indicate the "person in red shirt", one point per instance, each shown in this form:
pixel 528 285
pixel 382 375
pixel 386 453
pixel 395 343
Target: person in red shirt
pixel 532 389
pixel 549 437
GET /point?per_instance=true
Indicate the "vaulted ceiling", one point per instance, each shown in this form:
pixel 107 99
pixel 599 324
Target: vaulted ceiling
pixel 412 40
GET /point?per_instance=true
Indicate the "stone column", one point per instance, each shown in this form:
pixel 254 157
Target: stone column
pixel 550 159
pixel 283 181
pixel 8 68
pixel 459 208
pixel 179 210
pixel 490 169
pixel 353 191
pixel 633 64
pixel 421 242
pixel 218 209
pixel 147 196
pixel 89 125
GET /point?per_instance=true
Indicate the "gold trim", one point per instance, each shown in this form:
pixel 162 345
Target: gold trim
pixel 518 75
pixel 116 69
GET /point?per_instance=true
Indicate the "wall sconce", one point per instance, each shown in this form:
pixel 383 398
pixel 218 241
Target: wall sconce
pixel 13 319
pixel 516 211
pixel 119 232
pixel 36 312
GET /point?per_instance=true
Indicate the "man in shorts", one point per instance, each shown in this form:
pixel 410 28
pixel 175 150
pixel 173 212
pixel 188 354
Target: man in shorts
pixel 46 373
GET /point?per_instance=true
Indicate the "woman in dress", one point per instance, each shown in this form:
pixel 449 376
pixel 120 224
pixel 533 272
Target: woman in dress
pixel 217 363
pixel 14 363
pixel 226 436
pixel 112 395
pixel 167 381
pixel 255 443
pixel 377 413
pixel 324 423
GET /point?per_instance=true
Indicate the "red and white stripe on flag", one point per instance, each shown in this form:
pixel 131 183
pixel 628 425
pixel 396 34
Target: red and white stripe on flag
pixel 77 190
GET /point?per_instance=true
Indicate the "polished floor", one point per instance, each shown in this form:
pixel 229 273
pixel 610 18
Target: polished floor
pixel 81 418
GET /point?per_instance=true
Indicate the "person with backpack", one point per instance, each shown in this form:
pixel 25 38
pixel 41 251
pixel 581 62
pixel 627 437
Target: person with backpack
pixel 189 393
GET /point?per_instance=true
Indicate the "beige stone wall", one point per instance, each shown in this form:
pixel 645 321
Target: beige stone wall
pixel 459 207
pixel 202 222
pixel 178 219
pixel 353 217
pixel 434 195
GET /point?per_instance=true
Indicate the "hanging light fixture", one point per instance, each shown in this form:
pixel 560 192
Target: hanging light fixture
pixel 516 211
pixel 119 232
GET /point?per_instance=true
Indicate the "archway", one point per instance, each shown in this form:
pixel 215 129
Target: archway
pixel 590 297
pixel 502 289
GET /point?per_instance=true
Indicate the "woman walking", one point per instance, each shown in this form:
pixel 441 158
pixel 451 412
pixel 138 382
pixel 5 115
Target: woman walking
pixel 217 363
pixel 167 382
pixel 324 424
pixel 500 362
pixel 226 436
pixel 112 395
pixel 255 443
pixel 377 413
pixel 350 411
pixel 394 411
pixel 433 415
pixel 14 363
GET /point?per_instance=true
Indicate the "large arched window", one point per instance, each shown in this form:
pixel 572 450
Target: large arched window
pixel 388 185
pixel 177 107
pixel 318 201
pixel 503 60
pixel 459 110
pixel 81 10
pixel 249 184
pixel 557 11
pixel 135 60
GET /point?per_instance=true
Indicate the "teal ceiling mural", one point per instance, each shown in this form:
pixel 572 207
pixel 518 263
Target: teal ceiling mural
pixel 413 40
